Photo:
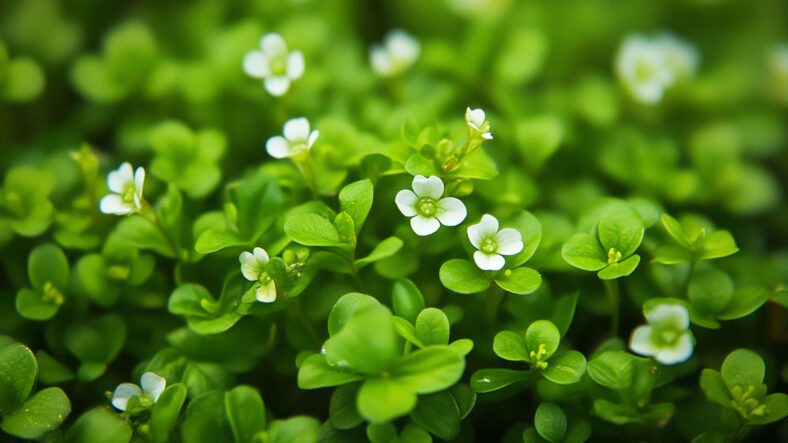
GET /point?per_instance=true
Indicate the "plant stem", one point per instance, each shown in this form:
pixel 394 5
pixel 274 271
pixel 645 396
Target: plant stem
pixel 305 166
pixel 611 287
pixel 156 221
pixel 356 276
pixel 294 306
pixel 493 303
pixel 685 289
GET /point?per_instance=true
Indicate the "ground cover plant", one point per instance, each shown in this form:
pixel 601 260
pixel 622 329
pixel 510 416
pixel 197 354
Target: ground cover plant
pixel 410 221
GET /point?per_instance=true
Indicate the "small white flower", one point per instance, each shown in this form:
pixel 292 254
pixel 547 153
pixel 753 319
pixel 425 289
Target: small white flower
pixel 297 139
pixel 126 186
pixel 253 269
pixel 426 207
pixel 152 387
pixel 681 57
pixel 398 53
pixel 274 64
pixel 493 244
pixel 666 337
pixel 477 124
pixel 642 68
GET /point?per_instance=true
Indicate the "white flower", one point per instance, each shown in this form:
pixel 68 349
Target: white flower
pixel 681 57
pixel 253 269
pixel 477 124
pixel 152 387
pixel 127 188
pixel 666 337
pixel 642 68
pixel 274 64
pixel 493 244
pixel 297 139
pixel 398 53
pixel 426 207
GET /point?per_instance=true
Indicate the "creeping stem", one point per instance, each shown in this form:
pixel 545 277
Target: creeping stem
pixel 611 287
pixel 153 217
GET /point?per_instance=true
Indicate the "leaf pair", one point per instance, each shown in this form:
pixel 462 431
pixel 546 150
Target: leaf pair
pixel 47 268
pixel 694 241
pixel 551 425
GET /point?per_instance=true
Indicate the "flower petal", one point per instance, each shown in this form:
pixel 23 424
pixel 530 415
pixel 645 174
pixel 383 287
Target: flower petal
pixel 406 202
pixel 273 44
pixel 277 147
pixel 424 226
pixel 295 65
pixel 266 293
pixel 249 267
pixel 428 187
pixel 139 180
pixel 475 116
pixel 113 204
pixel 255 64
pixel 312 138
pixel 380 60
pixel 680 352
pixel 122 394
pixel 489 225
pixel 509 241
pixel 277 86
pixel 153 384
pixel 669 316
pixel 119 178
pixel 297 129
pixel 486 262
pixel 640 341
pixel 451 211
pixel 260 255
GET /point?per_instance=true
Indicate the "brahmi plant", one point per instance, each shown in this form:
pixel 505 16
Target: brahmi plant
pixel 395 222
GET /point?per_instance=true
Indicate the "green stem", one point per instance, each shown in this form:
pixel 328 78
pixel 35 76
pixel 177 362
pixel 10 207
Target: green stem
pixel 294 306
pixel 156 221
pixel 305 166
pixel 685 289
pixel 611 287
pixel 356 276
pixel 493 300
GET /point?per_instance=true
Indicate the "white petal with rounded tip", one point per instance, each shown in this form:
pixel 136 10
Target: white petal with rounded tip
pixel 428 187
pixel 312 138
pixel 406 201
pixel 424 226
pixel 277 147
pixel 381 61
pixel 296 129
pixel 249 267
pixel 675 316
pixel 266 293
pixel 139 180
pixel 113 204
pixel 277 86
pixel 255 64
pixel 402 47
pixel 122 394
pixel 509 241
pixel 153 384
pixel 680 352
pixel 640 341
pixel 273 44
pixel 488 262
pixel 489 225
pixel 475 235
pixel 260 255
pixel 487 136
pixel 117 179
pixel 451 211
pixel 295 65
pixel 476 116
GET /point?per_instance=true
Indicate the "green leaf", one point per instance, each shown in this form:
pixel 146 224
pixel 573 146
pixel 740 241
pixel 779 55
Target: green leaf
pixel 488 380
pixel 215 239
pixel 356 200
pixel 710 291
pixel 99 425
pixel 315 373
pixel 542 332
pixel 96 343
pixel 342 410
pixel 621 228
pixel 311 230
pixel 476 165
pixel 675 230
pixel 51 371
pixel 141 233
pixel 190 299
pixel 245 412
pixel 439 414
pixel 620 269
pixel 715 389
pixel 18 371
pixel 407 331
pixel 744 302
pixel 464 346
pixel 418 164
pixel 384 249
pixel 463 277
pixel 432 327
pixel 612 369
pixel 32 305
pixel 407 300
pixel 671 254
pixel 298 428
pixel 166 411
pixel 345 307
pixel 382 432
pixel 465 398
pixel 584 251
pixel 579 431
pixel 346 229
pixel 743 368
pixel 564 312
pixel 205 420
pixel 430 369
pixel 776 406
pixel 565 367
pixel 47 264
pixel 615 413
pixel 522 280
pixel 510 346
pixel 550 422
pixel 718 244
pixel 367 343
pixel 43 412
pixel 531 230
pixel 382 399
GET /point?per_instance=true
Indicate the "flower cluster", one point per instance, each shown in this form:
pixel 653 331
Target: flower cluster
pixel 396 55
